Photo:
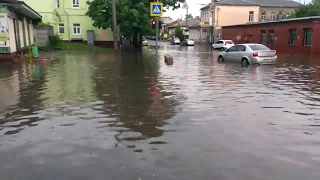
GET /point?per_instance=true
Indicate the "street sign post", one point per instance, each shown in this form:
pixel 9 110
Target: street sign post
pixel 156 10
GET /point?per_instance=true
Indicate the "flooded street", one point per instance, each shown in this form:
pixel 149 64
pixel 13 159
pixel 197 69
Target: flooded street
pixel 86 116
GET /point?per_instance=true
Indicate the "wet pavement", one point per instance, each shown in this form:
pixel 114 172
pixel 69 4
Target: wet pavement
pixel 86 116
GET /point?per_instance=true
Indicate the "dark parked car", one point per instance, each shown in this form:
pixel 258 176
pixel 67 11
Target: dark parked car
pixel 153 38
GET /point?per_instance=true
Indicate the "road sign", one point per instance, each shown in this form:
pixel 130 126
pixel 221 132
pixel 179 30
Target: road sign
pixel 156 9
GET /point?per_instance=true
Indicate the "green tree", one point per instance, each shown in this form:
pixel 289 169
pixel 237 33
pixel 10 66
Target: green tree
pixel 315 2
pixel 178 32
pixel 312 9
pixel 133 16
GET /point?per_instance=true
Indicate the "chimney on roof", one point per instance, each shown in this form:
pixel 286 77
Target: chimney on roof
pixel 279 16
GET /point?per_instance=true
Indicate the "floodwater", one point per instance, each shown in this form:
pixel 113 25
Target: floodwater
pixel 86 116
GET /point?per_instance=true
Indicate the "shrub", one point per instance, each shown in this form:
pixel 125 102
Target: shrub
pixel 178 32
pixel 55 41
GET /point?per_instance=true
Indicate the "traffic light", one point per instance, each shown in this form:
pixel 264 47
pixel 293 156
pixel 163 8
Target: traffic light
pixel 160 24
pixel 153 22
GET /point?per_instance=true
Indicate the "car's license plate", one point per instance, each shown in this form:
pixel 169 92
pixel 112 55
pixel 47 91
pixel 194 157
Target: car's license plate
pixel 268 60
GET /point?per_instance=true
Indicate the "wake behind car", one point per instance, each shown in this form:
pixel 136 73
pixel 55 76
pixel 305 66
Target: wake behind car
pixel 249 54
pixel 223 44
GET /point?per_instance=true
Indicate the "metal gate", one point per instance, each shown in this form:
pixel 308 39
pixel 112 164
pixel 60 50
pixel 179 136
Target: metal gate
pixel 90 37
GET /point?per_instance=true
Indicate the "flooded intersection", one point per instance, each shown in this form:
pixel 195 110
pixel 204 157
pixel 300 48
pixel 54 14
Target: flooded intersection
pixel 87 116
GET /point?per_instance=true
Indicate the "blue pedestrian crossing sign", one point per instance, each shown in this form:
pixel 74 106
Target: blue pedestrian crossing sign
pixel 156 9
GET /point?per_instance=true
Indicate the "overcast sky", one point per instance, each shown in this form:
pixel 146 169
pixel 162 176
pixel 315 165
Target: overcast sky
pixel 194 8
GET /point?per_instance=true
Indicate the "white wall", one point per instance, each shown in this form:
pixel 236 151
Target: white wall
pixel 31 27
pixel 171 31
pixel 21 34
pixel 12 39
pixel 26 32
pixel 194 34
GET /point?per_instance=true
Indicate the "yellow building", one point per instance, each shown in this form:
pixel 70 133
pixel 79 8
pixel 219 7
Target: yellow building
pixel 69 19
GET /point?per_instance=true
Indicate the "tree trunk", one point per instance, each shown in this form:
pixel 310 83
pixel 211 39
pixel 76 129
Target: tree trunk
pixel 140 43
pixel 135 38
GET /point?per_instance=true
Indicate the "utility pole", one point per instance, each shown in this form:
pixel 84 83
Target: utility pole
pixel 157 31
pixel 185 6
pixel 115 26
pixel 187 30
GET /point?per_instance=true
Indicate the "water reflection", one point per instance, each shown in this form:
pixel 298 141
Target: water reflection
pixel 289 92
pixel 130 112
pixel 122 96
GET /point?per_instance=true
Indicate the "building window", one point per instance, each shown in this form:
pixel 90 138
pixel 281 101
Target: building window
pixel 75 3
pixel 263 16
pixel 61 28
pixel 57 3
pixel 292 36
pixel 207 19
pixel 251 16
pixel 76 29
pixel 263 36
pixel 307 37
pixel 273 16
pixel 271 36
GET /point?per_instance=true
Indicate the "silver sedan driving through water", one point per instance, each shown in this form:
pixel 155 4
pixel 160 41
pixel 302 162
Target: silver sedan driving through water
pixel 249 54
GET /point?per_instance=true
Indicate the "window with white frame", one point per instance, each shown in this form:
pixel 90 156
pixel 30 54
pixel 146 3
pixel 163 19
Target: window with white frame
pixel 57 3
pixel 76 29
pixel 251 16
pixel 61 28
pixel 75 4
pixel 263 16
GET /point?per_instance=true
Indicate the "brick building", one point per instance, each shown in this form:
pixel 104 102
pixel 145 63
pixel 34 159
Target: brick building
pixel 298 35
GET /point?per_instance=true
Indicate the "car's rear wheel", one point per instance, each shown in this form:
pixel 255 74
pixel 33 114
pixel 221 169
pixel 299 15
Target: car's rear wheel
pixel 220 59
pixel 223 49
pixel 244 62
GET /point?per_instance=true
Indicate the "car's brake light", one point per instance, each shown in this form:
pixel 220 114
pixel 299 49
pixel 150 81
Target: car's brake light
pixel 255 54
pixel 275 53
pixel 225 43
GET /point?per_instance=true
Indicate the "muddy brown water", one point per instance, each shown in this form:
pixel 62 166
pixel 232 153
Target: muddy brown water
pixel 87 116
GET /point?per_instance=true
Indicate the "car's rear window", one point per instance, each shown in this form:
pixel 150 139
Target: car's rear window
pixel 258 47
pixel 229 42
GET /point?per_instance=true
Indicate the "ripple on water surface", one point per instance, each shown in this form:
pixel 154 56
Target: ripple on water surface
pixel 88 99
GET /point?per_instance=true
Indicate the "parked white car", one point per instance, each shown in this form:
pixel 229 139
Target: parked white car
pixel 223 44
pixel 175 40
pixel 190 42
